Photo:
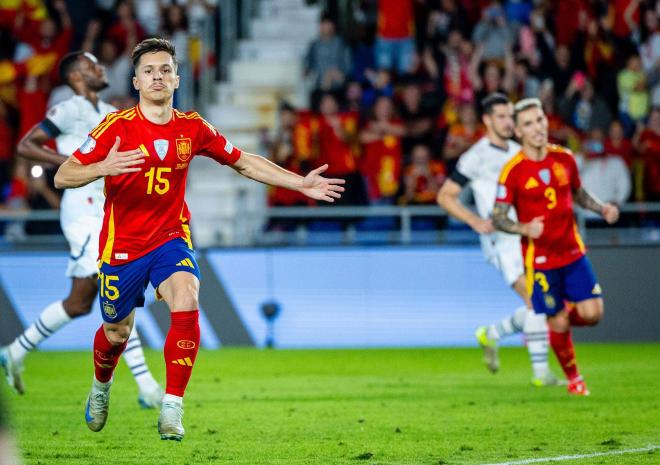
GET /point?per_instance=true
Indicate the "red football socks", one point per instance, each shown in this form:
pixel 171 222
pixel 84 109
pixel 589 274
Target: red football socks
pixel 562 344
pixel 106 356
pixel 181 346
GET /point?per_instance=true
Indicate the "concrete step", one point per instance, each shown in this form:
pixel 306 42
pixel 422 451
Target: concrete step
pixel 280 28
pixel 272 50
pixel 266 73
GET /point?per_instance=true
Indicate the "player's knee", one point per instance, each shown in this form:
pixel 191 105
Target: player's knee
pixel 593 314
pixel 117 335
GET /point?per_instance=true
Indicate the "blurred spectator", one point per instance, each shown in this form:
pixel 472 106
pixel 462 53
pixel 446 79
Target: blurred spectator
pixel 647 143
pixel 7 138
pixel 354 97
pixel 126 27
pixel 336 145
pixel 599 58
pixel 559 132
pixel 624 15
pixel 417 117
pixel 149 15
pixel 119 69
pixel 633 94
pixel 380 85
pixel 328 58
pixel 617 144
pixel 449 63
pixel 492 33
pixel 525 85
pixel 561 69
pixel 446 18
pixel 462 135
pixel 649 51
pixel 492 78
pixel 395 45
pixel 422 178
pixel 582 107
pixel 605 175
pixel 383 155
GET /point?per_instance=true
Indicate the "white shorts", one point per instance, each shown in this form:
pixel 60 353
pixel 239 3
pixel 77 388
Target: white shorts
pixel 503 252
pixel 83 237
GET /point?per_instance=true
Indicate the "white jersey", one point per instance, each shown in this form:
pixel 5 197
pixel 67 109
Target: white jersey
pixel 480 167
pixel 81 210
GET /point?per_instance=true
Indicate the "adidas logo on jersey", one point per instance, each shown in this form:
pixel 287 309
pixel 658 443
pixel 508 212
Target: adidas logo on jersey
pixel 186 262
pixel 531 183
pixel 183 361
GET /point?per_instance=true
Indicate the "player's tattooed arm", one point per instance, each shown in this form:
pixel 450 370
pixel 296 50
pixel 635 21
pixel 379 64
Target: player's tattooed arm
pixel 501 221
pixel 586 200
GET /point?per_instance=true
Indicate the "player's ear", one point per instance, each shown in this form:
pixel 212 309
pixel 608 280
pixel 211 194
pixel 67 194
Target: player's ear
pixel 136 86
pixel 176 82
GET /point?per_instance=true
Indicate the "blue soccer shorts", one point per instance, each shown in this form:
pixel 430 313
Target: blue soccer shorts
pixel 574 282
pixel 122 287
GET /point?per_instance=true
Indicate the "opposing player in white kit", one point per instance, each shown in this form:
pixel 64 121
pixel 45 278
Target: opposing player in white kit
pixel 81 217
pixel 480 167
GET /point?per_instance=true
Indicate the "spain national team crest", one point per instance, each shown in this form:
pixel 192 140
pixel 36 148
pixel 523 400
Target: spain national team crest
pixel 184 148
pixel 544 174
pixel 161 146
pixel 549 301
pixel 109 310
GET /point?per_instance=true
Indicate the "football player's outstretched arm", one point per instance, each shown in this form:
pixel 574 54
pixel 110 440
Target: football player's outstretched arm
pixel 586 200
pixel 313 185
pixel 73 174
pixel 501 221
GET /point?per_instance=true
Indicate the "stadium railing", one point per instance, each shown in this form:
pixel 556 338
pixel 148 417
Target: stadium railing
pixel 348 225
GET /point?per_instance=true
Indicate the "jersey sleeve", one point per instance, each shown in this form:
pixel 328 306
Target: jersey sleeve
pixel 214 145
pixel 99 141
pixel 576 183
pixel 58 120
pixel 467 168
pixel 506 187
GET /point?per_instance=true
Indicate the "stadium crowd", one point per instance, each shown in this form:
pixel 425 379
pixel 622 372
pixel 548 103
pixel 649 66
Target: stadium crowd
pixel 395 86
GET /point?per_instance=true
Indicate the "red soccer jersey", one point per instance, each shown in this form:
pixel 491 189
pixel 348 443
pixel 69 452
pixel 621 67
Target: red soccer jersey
pixel 145 209
pixel 545 188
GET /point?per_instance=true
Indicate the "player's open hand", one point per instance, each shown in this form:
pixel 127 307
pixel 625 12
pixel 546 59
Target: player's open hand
pixel 610 213
pixel 117 163
pixel 534 228
pixel 319 188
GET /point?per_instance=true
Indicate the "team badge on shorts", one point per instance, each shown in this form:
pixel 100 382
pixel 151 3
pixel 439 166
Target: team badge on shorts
pixel 161 146
pixel 184 148
pixel 549 301
pixel 109 310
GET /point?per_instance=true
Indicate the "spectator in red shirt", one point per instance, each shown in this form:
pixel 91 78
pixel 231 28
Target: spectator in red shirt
pixel 395 46
pixel 648 146
pixel 423 177
pixel 125 26
pixel 617 144
pixel 462 134
pixel 336 145
pixel 383 155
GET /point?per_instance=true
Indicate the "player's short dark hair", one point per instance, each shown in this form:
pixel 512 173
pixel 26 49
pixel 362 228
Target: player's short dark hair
pixel 525 104
pixel 495 98
pixel 68 64
pixel 153 45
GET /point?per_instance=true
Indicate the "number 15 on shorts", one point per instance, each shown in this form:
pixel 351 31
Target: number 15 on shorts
pixel 108 291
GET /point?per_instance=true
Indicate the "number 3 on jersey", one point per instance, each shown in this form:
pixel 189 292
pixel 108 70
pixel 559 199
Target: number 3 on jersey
pixel 162 184
pixel 550 194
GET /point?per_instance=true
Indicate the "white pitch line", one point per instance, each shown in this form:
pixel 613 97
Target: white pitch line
pixel 563 458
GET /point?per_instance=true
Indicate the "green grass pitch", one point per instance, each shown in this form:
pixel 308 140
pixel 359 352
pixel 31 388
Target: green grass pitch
pixel 386 407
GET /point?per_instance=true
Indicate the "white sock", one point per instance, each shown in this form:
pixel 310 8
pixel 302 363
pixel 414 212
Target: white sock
pixel 50 320
pixel 510 325
pixel 172 399
pixel 100 385
pixel 134 357
pixel 536 335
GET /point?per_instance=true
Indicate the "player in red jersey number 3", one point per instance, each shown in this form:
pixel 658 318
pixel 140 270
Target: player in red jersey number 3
pixel 143 153
pixel 541 183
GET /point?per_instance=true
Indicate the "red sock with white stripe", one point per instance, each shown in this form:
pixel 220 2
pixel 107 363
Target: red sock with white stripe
pixel 106 356
pixel 181 346
pixel 562 344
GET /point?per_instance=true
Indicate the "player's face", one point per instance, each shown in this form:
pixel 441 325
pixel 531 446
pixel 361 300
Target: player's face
pixel 532 127
pixel 93 73
pixel 155 77
pixel 500 121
